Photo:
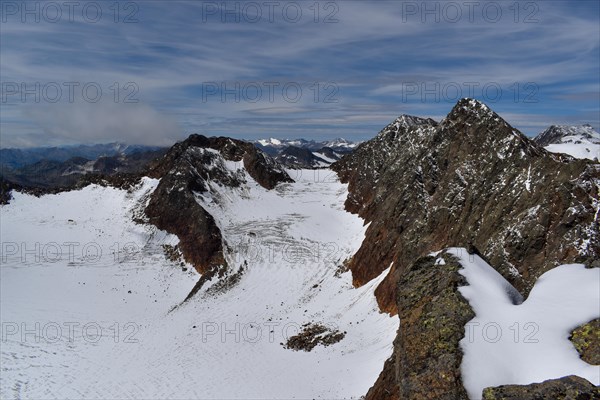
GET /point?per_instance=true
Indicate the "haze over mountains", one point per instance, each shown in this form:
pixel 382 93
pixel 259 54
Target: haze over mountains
pixel 373 277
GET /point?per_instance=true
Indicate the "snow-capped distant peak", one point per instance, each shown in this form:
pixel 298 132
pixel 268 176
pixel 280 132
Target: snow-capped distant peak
pixel 580 141
pixel 270 142
pixel 340 142
pixel 567 134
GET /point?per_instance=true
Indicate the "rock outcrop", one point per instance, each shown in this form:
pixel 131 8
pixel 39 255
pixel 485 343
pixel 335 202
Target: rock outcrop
pixel 433 313
pixel 566 388
pixel 299 157
pixel 586 339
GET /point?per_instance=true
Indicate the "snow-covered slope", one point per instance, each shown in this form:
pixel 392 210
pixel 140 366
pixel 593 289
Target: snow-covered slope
pixel 132 337
pixel 511 341
pixel 577 141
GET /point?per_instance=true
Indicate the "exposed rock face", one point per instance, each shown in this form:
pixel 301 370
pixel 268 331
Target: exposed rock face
pixel 433 313
pixel 173 208
pixel 386 386
pixel 190 168
pixel 264 169
pixel 586 340
pixel 566 388
pixel 472 178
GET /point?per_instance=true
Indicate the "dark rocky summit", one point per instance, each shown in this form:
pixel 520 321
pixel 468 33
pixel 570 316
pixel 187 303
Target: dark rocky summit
pixel 189 169
pixel 471 178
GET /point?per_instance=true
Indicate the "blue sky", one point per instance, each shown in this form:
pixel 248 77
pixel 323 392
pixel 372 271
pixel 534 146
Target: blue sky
pixel 288 71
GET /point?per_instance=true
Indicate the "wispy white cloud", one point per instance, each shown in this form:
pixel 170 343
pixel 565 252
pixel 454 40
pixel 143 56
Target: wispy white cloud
pixel 368 54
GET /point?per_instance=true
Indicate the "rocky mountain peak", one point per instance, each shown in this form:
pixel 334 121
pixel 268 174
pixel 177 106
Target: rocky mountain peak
pixel 468 105
pixel 260 166
pixel 473 125
pixel 470 179
pixel 190 168
pixel 472 112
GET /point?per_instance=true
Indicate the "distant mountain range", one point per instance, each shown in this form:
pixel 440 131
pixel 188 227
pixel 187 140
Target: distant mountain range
pixel 336 144
pixel 18 157
pixel 51 167
pixel 64 166
pixel 302 153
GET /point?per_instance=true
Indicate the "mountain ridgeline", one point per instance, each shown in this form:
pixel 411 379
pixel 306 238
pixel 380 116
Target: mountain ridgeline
pixel 302 153
pixel 471 181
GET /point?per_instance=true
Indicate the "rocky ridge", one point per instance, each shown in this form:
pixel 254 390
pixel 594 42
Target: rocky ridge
pixel 189 169
pixel 471 179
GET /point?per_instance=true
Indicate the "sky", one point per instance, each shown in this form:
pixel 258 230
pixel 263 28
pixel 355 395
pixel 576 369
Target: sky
pixel 153 72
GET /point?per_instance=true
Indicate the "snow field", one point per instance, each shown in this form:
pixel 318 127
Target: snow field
pixel 222 343
pixel 511 341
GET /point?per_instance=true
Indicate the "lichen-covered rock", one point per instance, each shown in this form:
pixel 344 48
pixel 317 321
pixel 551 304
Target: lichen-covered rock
pixel 566 388
pixel 586 340
pixel 427 356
